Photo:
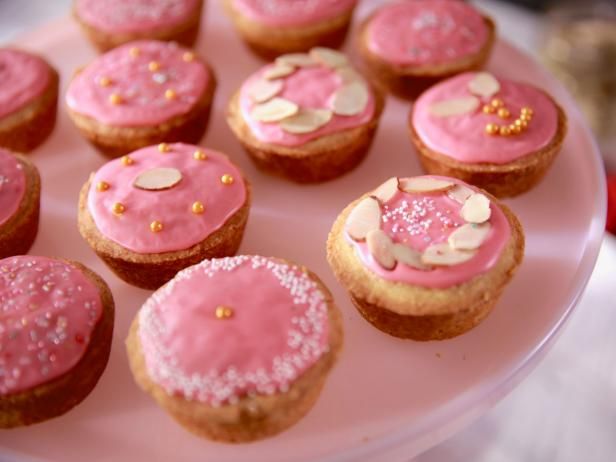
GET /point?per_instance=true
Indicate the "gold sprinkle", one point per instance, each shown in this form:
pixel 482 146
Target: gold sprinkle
pixel 492 129
pixel 164 147
pixel 523 124
pixel 515 129
pixel 118 208
pixel 487 109
pixel 115 99
pixel 504 130
pixel 226 179
pixel 503 113
pixel 223 312
pixel 526 117
pixel 102 186
pixel 197 208
pixel 156 226
pixel 104 81
pixel 497 103
pixel 527 110
pixel 188 56
pixel 199 155
pixel 154 66
pixel 134 52
pixel 170 93
pixel 127 160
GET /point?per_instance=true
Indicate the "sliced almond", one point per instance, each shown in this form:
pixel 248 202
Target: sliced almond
pixel 380 246
pixel 476 209
pixel 422 184
pixel 277 71
pixel 387 190
pixel 306 121
pixel 365 217
pixel 264 90
pixel 157 179
pixel 484 84
pixel 409 257
pixel 454 107
pixel 296 60
pixel 274 110
pixel 328 57
pixel 443 255
pixel 349 75
pixel 350 99
pixel 469 236
pixel 460 193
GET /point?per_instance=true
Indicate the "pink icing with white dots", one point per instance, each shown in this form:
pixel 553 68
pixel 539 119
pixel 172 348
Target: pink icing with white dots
pixel 48 310
pixel 122 16
pixel 421 220
pixel 12 185
pixel 278 329
pixel 182 228
pixel 426 32
pixel 142 89
pixel 292 12
pixel 463 137
pixel 23 77
pixel 309 88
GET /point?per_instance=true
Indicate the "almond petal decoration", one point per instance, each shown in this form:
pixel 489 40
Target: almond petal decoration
pixel 351 99
pixel 365 217
pixel 476 209
pixel 409 257
pixel 157 179
pixel 274 110
pixel 469 236
pixel 460 193
pixel 306 121
pixel 387 190
pixel 454 107
pixel 296 60
pixel 328 57
pixel 264 90
pixel 444 255
pixel 380 246
pixel 277 71
pixel 424 185
pixel 484 84
pixel 349 75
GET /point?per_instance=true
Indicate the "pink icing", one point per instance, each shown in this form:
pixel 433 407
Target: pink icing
pixel 426 32
pixel 422 220
pixel 12 185
pixel 464 138
pixel 142 91
pixel 23 77
pixel 201 181
pixel 122 16
pixel 310 88
pixel 48 311
pixel 278 330
pixel 292 13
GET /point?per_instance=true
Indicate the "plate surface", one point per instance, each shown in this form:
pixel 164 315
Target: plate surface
pixel 386 396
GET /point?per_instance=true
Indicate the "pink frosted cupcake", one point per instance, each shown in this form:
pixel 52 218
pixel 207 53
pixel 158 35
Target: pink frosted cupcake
pixel 109 23
pixel 491 132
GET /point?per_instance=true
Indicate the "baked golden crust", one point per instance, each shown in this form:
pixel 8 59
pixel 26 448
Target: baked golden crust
pixel 252 418
pixel 417 312
pixel 61 394
pixel 18 233
pixel 502 180
pixel 318 160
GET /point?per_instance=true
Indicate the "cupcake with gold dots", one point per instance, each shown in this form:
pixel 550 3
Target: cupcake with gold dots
pixel 162 208
pixel 491 132
pixel 142 93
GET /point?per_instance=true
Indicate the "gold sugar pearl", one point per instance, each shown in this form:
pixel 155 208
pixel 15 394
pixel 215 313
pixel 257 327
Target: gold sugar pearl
pixel 515 129
pixel 487 109
pixel 154 66
pixel 188 56
pixel 492 129
pixel 526 117
pixel 102 186
pixel 118 208
pixel 497 103
pixel 527 110
pixel 199 155
pixel 170 94
pixel 226 179
pixel 134 52
pixel 104 81
pixel 164 147
pixel 115 99
pixel 503 113
pixel 156 226
pixel 197 208
pixel 223 312
pixel 127 160
pixel 504 131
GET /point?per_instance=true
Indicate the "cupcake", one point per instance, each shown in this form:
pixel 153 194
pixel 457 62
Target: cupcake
pixel 425 258
pixel 409 46
pixel 275 27
pixel 162 208
pixel 28 100
pixel 308 117
pixel 236 349
pixel 55 337
pixel 140 94
pixel 20 196
pixel 110 23
pixel 496 134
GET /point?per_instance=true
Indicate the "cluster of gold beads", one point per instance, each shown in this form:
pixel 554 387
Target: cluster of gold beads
pixel 519 125
pixel 223 312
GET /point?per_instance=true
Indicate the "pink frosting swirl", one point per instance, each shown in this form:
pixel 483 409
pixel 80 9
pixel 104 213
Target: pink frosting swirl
pixel 423 32
pixel 23 77
pixel 152 82
pixel 276 329
pixel 292 13
pixel 12 185
pixel 48 312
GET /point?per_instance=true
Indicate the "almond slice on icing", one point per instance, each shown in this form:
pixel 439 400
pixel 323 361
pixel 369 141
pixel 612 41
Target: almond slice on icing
pixel 349 75
pixel 484 84
pixel 328 57
pixel 157 179
pixel 274 110
pixel 387 190
pixel 443 255
pixel 350 99
pixel 380 246
pixel 306 121
pixel 424 185
pixel 296 60
pixel 476 209
pixel 277 71
pixel 409 257
pixel 460 193
pixel 264 90
pixel 454 107
pixel 469 236
pixel 365 217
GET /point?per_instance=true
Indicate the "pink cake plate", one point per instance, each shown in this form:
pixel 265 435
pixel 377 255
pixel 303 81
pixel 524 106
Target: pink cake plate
pixel 387 399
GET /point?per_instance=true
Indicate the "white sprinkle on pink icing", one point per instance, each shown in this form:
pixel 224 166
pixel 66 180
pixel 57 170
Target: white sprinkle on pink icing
pixel 12 185
pixel 48 310
pixel 292 13
pixel 278 330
